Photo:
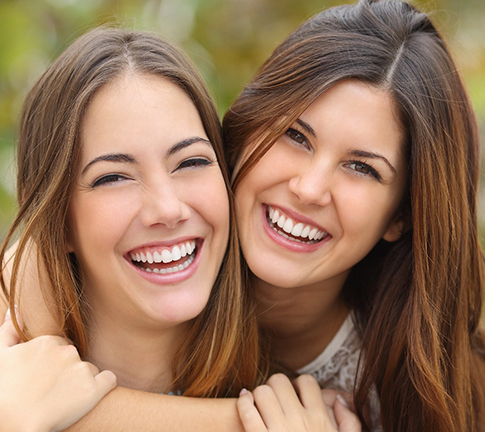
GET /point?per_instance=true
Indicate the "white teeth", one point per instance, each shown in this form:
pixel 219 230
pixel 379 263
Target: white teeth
pixel 281 221
pixel 305 232
pixel 297 229
pixel 276 216
pixel 291 227
pixel 176 255
pixel 288 226
pixel 174 269
pixel 165 255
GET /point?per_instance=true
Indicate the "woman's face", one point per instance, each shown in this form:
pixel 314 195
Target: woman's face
pixel 149 213
pixel 326 192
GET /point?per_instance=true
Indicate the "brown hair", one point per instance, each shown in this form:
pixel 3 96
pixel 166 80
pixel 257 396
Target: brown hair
pixel 417 302
pixel 219 355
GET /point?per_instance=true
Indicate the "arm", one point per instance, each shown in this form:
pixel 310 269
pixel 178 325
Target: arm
pixel 278 406
pixel 45 387
pixel 124 409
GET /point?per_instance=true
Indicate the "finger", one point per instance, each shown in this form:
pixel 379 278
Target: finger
pixel 106 381
pixel 248 414
pixel 310 393
pixel 269 406
pixel 92 368
pixel 285 393
pixel 8 334
pixel 347 421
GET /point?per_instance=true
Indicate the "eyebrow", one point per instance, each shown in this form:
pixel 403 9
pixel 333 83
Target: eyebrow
pixel 359 153
pixel 185 143
pixel 306 126
pixel 371 155
pixel 128 158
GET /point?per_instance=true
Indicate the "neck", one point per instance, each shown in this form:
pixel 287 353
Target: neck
pixel 300 321
pixel 140 358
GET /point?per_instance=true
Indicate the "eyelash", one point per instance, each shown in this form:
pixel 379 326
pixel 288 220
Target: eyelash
pixel 371 171
pixel 194 163
pixel 294 134
pixel 109 178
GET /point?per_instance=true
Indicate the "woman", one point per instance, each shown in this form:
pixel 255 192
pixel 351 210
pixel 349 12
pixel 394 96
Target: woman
pixel 376 188
pixel 122 195
pixel 376 183
pixel 118 154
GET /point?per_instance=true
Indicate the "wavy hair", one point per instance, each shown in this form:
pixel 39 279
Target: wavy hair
pixel 417 301
pixel 219 355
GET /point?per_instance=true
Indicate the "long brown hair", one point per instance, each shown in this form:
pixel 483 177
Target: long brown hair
pixel 220 353
pixel 417 301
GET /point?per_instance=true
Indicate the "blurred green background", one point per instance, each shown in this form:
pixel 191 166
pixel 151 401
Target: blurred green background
pixel 227 39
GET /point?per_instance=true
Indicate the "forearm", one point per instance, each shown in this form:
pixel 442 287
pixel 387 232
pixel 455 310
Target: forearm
pixel 129 410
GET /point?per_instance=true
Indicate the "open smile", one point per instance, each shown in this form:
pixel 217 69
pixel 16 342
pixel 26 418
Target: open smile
pixel 165 260
pixel 292 229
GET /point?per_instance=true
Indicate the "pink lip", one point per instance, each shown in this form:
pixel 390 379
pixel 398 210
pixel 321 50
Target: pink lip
pixel 289 244
pixel 294 215
pixel 150 247
pixel 170 278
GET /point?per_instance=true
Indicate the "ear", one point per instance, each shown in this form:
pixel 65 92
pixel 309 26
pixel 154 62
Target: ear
pixel 394 230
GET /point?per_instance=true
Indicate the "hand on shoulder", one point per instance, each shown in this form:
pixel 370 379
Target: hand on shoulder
pixel 44 385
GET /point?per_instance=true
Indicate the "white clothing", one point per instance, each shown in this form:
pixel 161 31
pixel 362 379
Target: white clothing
pixel 336 367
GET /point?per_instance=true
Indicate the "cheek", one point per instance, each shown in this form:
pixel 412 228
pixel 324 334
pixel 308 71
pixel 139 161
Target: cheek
pixel 209 198
pixel 96 223
pixel 365 210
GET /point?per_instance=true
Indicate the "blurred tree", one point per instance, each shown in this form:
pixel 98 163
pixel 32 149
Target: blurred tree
pixel 227 39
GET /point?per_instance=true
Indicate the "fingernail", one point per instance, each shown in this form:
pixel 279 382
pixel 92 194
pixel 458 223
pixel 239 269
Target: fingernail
pixel 243 392
pixel 8 315
pixel 342 401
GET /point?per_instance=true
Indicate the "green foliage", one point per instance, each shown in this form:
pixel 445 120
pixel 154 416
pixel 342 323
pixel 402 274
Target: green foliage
pixel 227 39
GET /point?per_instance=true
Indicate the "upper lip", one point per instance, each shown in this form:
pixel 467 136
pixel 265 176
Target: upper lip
pixel 163 244
pixel 296 216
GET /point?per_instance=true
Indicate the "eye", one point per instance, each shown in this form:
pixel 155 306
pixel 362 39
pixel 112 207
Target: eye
pixel 194 163
pixel 297 137
pixel 107 179
pixel 363 169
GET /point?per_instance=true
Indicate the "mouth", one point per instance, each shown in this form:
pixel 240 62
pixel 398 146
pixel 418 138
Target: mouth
pixel 292 229
pixel 166 259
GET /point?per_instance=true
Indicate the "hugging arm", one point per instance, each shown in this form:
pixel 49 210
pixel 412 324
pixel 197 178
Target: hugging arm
pixel 122 409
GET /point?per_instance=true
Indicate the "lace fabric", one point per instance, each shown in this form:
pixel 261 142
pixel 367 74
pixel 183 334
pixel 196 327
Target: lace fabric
pixel 336 367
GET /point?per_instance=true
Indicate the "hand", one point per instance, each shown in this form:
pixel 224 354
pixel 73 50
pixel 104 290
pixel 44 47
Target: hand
pixel 44 385
pixel 280 407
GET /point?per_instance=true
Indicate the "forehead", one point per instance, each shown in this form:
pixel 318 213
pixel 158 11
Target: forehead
pixel 356 106
pixel 137 112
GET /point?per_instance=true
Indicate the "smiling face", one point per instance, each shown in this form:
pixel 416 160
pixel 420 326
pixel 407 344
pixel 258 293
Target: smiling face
pixel 326 192
pixel 148 217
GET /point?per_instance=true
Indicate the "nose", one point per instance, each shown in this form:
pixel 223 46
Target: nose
pixel 311 185
pixel 163 205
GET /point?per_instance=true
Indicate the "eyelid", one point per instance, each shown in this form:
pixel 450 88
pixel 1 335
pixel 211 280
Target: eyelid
pixel 98 181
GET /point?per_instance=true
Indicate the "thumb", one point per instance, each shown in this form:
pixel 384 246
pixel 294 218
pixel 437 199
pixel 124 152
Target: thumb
pixel 8 334
pixel 347 421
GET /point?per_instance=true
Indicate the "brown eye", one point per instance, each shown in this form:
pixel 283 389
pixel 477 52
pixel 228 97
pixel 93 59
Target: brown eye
pixel 297 137
pixel 362 168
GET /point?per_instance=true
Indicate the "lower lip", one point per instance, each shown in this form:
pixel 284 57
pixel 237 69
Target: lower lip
pixel 171 278
pixel 288 244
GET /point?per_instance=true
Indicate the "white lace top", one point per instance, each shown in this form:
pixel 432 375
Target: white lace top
pixel 336 367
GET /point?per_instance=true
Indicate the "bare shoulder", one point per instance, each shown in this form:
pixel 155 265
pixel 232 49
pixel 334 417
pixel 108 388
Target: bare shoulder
pixel 32 292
